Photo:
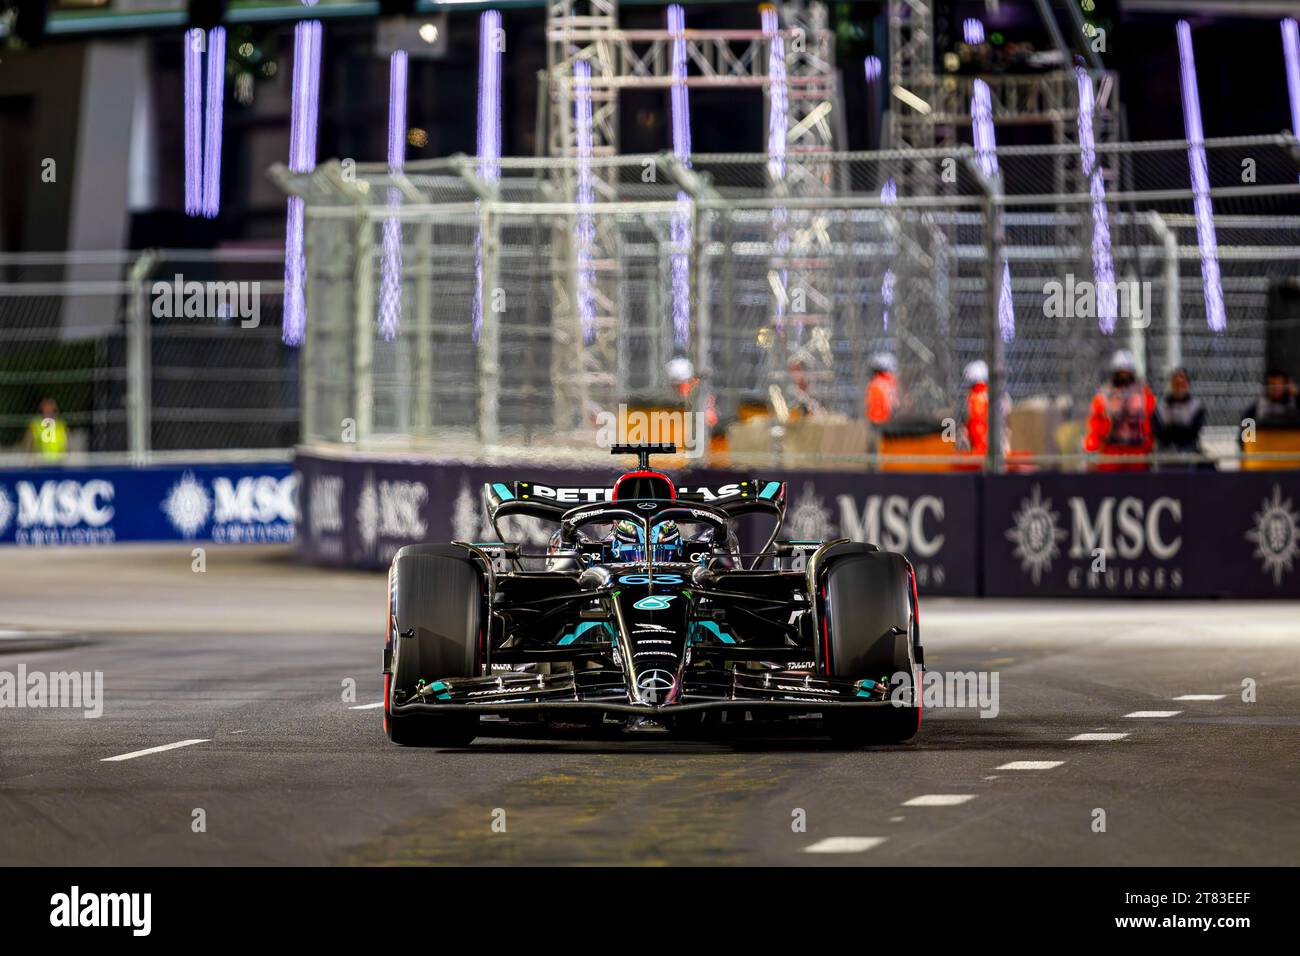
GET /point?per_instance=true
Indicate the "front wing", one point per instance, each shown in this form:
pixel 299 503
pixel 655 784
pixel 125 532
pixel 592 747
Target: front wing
pixel 605 690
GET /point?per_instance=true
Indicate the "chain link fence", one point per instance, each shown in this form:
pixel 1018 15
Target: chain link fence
pixel 146 355
pixel 497 316
pixel 525 317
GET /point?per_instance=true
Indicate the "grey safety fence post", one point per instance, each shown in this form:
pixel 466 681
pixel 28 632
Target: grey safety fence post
pixel 1173 305
pixel 705 202
pixel 489 337
pixel 139 381
pixel 290 184
pixel 995 256
pixel 419 268
pixel 363 353
pixel 364 301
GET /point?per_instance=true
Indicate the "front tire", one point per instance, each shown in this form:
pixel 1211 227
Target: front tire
pixel 869 630
pixel 437 611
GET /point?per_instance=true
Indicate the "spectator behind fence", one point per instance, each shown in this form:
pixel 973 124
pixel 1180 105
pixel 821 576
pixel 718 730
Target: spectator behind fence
pixel 974 434
pixel 47 433
pixel 1120 420
pixel 881 400
pixel 802 400
pixel 975 425
pixel 1180 416
pixel 1277 405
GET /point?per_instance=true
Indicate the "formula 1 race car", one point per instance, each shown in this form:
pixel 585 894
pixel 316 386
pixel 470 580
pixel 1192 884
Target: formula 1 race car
pixel 645 613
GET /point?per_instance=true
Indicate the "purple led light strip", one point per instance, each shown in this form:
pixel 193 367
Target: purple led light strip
pixel 390 282
pixel 489 96
pixel 193 122
pixel 586 196
pixel 302 159
pixel 889 196
pixel 489 134
pixel 1103 262
pixel 1291 51
pixel 778 119
pixel 1206 238
pixel 216 96
pixel 986 152
pixel 680 229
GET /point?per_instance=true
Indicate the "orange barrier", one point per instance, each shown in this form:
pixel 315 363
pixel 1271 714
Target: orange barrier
pixel 1272 441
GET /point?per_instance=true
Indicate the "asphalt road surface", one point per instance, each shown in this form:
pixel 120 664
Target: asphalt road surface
pixel 247 666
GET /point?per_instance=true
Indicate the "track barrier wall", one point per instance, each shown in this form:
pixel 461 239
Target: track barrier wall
pixel 237 503
pixel 1192 534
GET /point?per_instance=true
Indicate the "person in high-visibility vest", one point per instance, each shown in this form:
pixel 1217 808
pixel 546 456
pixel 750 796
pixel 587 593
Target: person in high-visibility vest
pixel 1119 420
pixel 47 434
pixel 881 399
pixel 976 379
pixel 974 436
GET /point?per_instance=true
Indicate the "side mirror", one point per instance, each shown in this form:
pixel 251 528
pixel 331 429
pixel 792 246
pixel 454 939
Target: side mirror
pixel 593 579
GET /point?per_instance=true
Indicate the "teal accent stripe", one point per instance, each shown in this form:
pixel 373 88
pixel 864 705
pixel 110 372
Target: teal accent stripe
pixel 503 492
pixel 770 489
pixel 580 630
pixel 713 628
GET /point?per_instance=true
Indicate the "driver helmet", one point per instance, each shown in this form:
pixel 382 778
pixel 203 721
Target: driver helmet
pixel 628 544
pixel 667 540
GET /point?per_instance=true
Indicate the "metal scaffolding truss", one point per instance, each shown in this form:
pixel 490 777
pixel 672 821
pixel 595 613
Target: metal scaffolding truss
pixel 911 69
pixel 642 59
pixel 929 111
pixel 587 31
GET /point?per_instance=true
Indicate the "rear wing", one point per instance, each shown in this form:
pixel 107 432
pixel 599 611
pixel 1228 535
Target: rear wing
pixel 748 496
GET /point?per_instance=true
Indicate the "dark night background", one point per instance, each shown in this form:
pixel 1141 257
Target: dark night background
pixel 1239 60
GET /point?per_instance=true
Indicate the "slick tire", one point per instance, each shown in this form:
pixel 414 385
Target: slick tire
pixel 438 612
pixel 869 630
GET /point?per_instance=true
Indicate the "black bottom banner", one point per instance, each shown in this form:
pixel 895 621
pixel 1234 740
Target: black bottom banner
pixel 400 908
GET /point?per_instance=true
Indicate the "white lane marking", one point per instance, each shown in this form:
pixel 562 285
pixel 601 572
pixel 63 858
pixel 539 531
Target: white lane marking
pixel 1031 765
pixel 939 799
pixel 1099 736
pixel 366 706
pixel 1154 713
pixel 991 776
pixel 155 750
pixel 1200 697
pixel 897 819
pixel 844 844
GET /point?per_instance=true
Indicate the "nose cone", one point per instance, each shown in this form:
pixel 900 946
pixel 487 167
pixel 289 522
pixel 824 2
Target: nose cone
pixel 652 636
pixel 656 686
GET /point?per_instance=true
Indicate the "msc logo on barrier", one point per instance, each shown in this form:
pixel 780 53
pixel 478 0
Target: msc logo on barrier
pixel 255 508
pixel 1130 529
pixel 58 511
pixel 912 525
pixel 1276 535
pixel 392 510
